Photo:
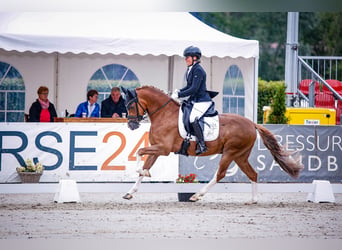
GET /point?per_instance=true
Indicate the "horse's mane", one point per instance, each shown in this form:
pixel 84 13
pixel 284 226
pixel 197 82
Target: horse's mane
pixel 155 89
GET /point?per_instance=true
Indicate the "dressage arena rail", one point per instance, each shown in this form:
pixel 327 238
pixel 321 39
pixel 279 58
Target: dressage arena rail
pixel 86 187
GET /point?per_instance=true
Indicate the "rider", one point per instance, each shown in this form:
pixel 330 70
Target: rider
pixel 196 90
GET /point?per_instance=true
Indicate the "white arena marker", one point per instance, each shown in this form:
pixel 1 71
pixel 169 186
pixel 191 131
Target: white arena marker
pixel 322 192
pixel 67 192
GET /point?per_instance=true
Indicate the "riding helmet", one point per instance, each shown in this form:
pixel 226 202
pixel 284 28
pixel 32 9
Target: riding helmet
pixel 192 51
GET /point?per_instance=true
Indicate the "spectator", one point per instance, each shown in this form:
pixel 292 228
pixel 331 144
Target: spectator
pixel 114 105
pixel 42 110
pixel 89 108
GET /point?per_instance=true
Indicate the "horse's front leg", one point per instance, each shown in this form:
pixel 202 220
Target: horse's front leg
pixel 153 153
pixel 129 194
pixel 142 173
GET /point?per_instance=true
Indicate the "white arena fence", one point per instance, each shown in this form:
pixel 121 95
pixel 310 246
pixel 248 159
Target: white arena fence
pixel 100 157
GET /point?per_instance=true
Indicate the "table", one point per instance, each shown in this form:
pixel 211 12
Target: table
pixel 88 119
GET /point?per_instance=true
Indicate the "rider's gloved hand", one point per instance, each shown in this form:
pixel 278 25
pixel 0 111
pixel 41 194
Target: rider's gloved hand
pixel 175 95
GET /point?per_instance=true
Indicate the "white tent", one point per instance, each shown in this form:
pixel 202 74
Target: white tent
pixel 63 50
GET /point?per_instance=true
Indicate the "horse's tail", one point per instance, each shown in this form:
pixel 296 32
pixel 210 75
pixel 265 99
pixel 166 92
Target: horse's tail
pixel 290 164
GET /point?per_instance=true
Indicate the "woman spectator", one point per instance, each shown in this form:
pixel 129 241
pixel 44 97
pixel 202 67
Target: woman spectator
pixel 42 110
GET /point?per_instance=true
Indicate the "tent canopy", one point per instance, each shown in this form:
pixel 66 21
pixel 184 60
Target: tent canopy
pixel 155 33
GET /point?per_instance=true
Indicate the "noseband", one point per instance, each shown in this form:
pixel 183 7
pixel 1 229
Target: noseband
pixel 135 102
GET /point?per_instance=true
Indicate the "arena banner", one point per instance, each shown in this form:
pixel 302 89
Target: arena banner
pixel 85 152
pixel 320 148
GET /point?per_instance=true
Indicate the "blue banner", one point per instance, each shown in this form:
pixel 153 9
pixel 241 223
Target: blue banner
pixel 320 148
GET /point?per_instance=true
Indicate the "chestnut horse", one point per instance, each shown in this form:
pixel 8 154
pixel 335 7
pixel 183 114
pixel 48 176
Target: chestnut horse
pixel 237 135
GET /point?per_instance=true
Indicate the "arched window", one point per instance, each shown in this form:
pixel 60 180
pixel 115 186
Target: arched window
pixel 109 76
pixel 12 94
pixel 233 92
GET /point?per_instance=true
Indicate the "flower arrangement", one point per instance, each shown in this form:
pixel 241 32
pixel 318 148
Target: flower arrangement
pixel 30 167
pixel 190 178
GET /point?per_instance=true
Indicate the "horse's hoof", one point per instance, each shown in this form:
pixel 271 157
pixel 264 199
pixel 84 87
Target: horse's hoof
pixel 127 196
pixel 194 198
pixel 251 203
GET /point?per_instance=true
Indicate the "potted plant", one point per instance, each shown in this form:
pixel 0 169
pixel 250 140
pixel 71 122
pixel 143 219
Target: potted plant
pixel 30 173
pixel 190 178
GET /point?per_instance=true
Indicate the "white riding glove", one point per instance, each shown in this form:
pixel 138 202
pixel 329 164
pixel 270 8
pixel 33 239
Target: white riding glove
pixel 175 95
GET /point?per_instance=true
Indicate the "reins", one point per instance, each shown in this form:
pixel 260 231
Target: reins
pixel 160 108
pixel 135 100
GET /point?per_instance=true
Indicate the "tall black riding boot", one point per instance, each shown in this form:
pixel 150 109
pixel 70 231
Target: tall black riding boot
pixel 202 148
pixel 184 147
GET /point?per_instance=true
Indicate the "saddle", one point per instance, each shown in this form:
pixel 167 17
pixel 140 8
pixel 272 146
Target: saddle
pixel 209 122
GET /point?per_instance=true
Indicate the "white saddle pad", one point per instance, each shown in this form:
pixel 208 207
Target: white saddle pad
pixel 211 127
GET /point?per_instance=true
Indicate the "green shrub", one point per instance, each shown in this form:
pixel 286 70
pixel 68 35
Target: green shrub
pixel 272 94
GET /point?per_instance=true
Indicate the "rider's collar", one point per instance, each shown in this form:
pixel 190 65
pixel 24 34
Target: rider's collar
pixel 189 69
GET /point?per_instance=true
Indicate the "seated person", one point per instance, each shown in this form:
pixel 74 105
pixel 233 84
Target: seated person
pixel 90 107
pixel 42 110
pixel 114 105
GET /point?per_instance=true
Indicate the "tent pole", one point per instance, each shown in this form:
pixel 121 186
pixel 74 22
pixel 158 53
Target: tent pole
pixel 211 73
pixel 56 79
pixel 256 84
pixel 291 55
pixel 170 74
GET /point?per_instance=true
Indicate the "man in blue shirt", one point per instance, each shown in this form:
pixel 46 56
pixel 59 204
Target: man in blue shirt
pixel 90 108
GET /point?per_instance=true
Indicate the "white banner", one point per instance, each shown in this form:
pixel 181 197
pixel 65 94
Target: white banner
pixel 85 152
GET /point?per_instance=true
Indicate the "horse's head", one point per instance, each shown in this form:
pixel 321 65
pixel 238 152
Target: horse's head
pixel 132 105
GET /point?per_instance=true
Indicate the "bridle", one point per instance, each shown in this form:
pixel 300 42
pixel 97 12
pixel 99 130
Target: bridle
pixel 139 117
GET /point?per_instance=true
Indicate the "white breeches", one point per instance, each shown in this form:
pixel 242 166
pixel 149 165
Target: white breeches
pixel 199 109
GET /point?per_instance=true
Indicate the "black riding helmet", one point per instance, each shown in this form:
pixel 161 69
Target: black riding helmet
pixel 192 51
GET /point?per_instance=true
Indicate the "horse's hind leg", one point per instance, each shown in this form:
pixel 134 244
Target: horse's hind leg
pixel 204 190
pixel 245 167
pixel 220 173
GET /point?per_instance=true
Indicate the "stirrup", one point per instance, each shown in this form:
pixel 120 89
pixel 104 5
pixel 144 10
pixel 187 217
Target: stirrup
pixel 200 149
